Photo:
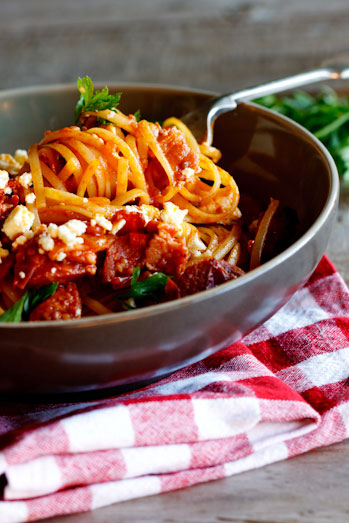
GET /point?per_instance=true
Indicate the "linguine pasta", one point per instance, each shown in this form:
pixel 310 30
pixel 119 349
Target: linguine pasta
pixel 115 207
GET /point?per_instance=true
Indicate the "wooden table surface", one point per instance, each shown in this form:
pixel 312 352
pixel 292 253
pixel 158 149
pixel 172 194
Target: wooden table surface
pixel 210 44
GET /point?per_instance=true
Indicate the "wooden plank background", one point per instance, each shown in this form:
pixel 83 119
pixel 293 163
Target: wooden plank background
pixel 210 44
pixel 218 45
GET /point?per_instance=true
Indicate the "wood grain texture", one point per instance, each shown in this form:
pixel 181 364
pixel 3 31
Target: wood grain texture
pixel 307 489
pixel 220 45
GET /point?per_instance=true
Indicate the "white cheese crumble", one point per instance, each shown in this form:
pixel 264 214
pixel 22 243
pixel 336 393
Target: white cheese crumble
pixel 60 256
pixel 4 179
pixel 26 180
pixel 30 198
pixel 21 275
pixel 8 163
pixel 149 212
pixel 21 156
pixel 118 226
pixel 103 222
pixel 19 221
pixel 8 191
pixel 20 240
pixel 77 227
pixel 131 208
pixel 46 242
pixel 69 233
pixel 195 245
pixel 189 174
pixel 52 230
pixel 173 215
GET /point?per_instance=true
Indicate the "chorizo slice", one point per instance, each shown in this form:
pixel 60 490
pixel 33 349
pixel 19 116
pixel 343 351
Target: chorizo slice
pixel 166 253
pixel 207 274
pixel 64 304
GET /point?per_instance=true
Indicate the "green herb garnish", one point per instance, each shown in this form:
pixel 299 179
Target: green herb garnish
pixel 326 115
pixel 15 312
pixel 91 100
pixel 149 288
pixel 27 303
pixel 137 115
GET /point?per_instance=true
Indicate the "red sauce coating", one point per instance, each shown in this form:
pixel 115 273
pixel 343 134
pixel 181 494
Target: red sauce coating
pixel 41 269
pixel 123 255
pixel 64 304
pixel 207 274
pixel 166 253
pixel 177 151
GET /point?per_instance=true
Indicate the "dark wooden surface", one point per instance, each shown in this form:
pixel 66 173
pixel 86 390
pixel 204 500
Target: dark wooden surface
pixel 210 44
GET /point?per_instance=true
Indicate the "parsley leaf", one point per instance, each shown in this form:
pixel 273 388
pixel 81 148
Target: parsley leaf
pixel 15 312
pixel 27 303
pixel 137 115
pixel 152 287
pixel 91 100
pixel 37 296
pixel 325 114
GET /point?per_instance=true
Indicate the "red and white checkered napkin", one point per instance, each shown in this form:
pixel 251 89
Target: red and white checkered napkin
pixel 281 391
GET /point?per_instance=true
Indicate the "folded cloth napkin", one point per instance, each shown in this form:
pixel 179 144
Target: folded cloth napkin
pixel 281 391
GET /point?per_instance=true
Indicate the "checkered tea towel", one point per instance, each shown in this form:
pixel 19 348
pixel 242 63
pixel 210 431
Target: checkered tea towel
pixel 281 391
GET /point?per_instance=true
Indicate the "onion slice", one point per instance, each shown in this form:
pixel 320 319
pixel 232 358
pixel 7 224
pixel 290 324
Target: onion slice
pixel 261 235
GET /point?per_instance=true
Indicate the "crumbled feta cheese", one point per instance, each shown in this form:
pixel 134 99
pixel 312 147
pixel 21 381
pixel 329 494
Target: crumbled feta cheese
pixel 53 270
pixel 20 240
pixel 25 180
pixel 21 274
pixel 131 208
pixel 8 163
pixel 52 230
pixel 69 232
pixel 8 191
pixel 134 208
pixel 189 174
pixel 21 156
pixel 118 226
pixel 66 235
pixel 76 226
pixel 20 220
pixel 4 179
pixel 149 212
pixel 103 222
pixel 93 222
pixel 173 215
pixel 30 198
pixel 46 242
pixel 195 245
pixel 60 256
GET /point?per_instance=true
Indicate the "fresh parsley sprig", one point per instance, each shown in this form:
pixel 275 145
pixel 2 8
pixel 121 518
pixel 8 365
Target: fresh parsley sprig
pixel 94 100
pixel 137 115
pixel 27 303
pixel 151 287
pixel 326 115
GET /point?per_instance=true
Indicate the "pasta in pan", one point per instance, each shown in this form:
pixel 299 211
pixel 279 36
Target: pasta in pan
pixel 116 213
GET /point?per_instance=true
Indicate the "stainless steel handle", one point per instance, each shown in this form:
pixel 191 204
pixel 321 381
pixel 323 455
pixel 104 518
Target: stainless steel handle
pixel 227 102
